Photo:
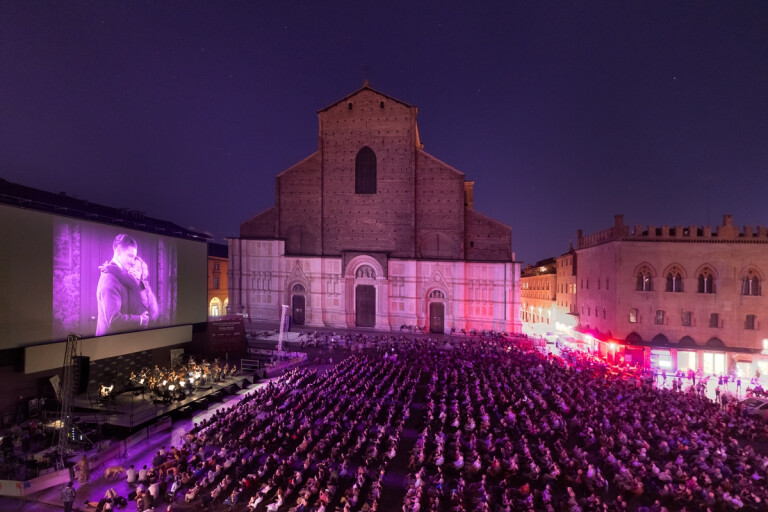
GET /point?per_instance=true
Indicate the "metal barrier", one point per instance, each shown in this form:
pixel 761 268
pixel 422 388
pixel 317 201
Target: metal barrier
pixel 250 366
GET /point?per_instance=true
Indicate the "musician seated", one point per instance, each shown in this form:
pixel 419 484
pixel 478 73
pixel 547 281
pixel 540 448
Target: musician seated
pixel 106 392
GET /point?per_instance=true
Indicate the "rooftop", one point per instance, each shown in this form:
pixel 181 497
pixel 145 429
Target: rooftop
pixel 20 196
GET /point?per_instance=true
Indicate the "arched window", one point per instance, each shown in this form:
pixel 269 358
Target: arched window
pixel 751 284
pixel 644 282
pixel 436 294
pixel 214 308
pixel 298 288
pixel 674 281
pixel 365 171
pixel 706 281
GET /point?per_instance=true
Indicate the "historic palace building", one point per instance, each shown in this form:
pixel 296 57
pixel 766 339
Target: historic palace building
pixel 538 287
pixel 372 231
pixel 218 287
pixel 677 297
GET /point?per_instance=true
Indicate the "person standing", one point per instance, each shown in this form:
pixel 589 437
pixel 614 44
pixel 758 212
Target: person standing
pixel 68 496
pixel 82 470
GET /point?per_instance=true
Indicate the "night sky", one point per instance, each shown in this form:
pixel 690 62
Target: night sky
pixel 563 114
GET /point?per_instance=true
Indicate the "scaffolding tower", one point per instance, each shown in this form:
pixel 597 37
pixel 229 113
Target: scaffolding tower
pixel 67 394
pixel 280 347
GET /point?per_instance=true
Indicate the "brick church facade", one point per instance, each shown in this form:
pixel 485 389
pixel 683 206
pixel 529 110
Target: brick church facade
pixel 372 231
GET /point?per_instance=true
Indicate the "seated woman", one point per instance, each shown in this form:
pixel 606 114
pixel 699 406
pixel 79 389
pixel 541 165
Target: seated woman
pixel 192 493
pixel 275 505
pixel 459 463
pixel 255 500
pixel 234 497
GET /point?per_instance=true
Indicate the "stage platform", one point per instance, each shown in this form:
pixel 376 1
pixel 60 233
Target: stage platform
pixel 133 409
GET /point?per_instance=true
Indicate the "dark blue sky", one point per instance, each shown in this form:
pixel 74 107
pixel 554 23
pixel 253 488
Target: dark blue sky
pixel 563 113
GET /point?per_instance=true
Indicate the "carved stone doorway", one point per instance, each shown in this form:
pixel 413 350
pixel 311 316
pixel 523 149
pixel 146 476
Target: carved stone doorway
pixel 297 310
pixel 365 305
pixel 437 317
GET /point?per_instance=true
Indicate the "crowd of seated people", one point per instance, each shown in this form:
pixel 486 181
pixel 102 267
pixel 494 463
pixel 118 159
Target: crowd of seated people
pixel 496 428
pixel 520 431
pixel 169 383
pixel 306 442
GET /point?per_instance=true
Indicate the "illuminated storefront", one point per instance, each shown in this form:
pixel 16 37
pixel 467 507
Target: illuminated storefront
pixel 661 359
pixel 714 363
pixel 686 360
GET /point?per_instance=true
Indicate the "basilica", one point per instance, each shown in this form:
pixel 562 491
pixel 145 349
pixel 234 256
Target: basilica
pixel 371 231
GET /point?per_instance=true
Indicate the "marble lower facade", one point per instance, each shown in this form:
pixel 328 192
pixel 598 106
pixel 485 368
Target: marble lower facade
pixel 362 290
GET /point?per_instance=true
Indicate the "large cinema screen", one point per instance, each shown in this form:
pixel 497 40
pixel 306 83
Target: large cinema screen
pixel 67 275
pixel 107 280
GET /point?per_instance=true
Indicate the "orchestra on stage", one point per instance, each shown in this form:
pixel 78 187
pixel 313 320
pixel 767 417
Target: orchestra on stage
pixel 172 384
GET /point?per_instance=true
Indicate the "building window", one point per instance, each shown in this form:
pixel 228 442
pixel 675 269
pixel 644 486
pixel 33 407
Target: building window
pixel 750 322
pixel 365 171
pixel 714 320
pixel 603 313
pixel 751 285
pixel 644 282
pixel 659 318
pixel 674 282
pixel 633 316
pixel 687 316
pixel 216 282
pixel 706 281
pixel 607 284
pixel 215 266
pixel 598 283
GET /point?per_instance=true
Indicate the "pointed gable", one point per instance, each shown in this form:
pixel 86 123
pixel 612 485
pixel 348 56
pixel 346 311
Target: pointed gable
pixel 366 87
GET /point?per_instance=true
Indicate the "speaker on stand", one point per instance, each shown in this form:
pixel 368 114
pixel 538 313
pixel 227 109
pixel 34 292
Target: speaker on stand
pixel 81 374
